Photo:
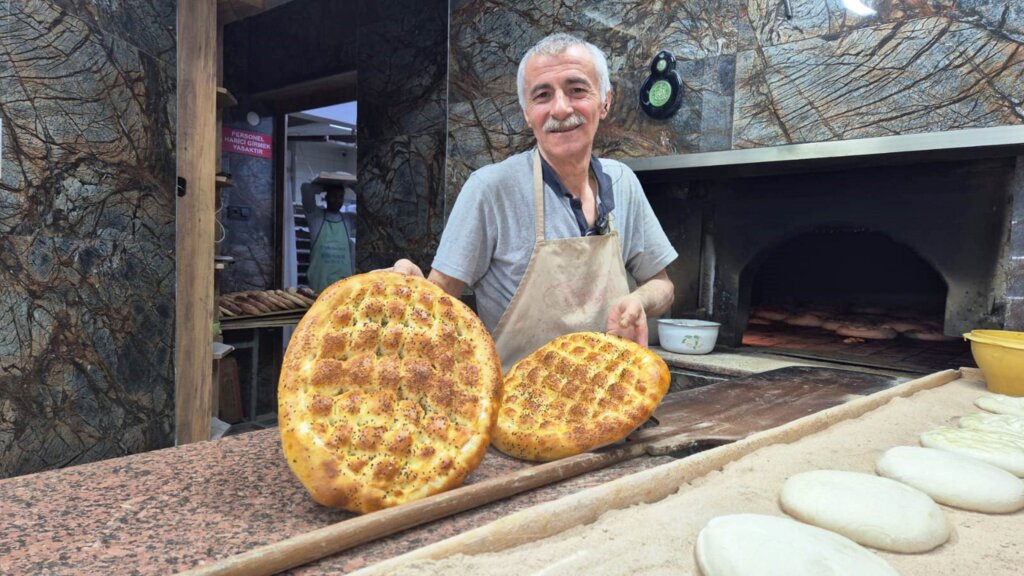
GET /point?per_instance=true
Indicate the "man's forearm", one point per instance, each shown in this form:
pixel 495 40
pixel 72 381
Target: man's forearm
pixel 656 294
pixel 453 286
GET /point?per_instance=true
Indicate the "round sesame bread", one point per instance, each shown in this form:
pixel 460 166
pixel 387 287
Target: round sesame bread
pixel 866 331
pixel 844 319
pixel 807 319
pixel 576 393
pixel 902 325
pixel 929 335
pixel 773 313
pixel 387 394
pixel 871 328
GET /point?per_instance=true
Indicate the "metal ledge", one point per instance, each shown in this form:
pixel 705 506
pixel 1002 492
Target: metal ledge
pixel 955 144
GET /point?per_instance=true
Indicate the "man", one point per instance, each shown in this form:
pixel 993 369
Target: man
pixel 330 253
pixel 550 238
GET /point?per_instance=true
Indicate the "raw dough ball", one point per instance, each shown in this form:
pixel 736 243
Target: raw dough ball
pixel 1004 423
pixel 953 479
pixel 874 511
pixel 1001 404
pixel 743 544
pixel 1002 450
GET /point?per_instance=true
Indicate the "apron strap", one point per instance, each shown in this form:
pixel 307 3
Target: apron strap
pixel 538 198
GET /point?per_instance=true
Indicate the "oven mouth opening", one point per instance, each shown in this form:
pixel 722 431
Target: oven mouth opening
pixel 846 294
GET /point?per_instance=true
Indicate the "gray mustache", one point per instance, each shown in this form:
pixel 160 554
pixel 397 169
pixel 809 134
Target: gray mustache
pixel 553 125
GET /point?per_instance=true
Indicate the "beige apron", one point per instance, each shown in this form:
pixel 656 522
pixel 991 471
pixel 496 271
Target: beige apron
pixel 569 285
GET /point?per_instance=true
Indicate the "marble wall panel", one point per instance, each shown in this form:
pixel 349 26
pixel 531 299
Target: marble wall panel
pixel 486 130
pixel 158 37
pixel 703 122
pixel 86 232
pixel 829 18
pixel 403 72
pixel 403 100
pixel 401 199
pixel 87 362
pixel 925 75
pixel 84 115
pixel 815 18
pixel 1003 17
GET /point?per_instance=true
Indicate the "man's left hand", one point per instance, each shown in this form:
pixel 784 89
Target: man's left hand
pixel 627 319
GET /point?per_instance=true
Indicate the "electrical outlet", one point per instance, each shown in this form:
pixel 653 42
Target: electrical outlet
pixel 239 212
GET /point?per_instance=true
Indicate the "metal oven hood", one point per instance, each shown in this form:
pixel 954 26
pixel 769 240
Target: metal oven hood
pixel 966 144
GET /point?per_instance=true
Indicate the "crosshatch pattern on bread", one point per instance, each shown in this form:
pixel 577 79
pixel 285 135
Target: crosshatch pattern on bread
pixel 576 393
pixel 388 392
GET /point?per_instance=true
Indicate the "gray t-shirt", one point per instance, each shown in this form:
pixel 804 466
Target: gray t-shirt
pixel 488 240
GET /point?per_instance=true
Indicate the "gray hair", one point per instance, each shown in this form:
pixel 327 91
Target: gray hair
pixel 554 45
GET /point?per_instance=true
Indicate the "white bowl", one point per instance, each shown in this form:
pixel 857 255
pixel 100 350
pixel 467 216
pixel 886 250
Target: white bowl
pixel 687 336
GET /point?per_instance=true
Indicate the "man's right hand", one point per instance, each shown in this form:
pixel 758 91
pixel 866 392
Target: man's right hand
pixel 450 285
pixel 403 266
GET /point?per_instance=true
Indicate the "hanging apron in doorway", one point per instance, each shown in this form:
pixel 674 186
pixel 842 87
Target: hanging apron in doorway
pixel 330 258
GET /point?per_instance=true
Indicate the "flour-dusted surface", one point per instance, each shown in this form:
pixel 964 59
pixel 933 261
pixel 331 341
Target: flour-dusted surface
pixel 659 538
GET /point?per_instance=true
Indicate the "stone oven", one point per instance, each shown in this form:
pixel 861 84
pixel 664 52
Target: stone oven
pixel 918 225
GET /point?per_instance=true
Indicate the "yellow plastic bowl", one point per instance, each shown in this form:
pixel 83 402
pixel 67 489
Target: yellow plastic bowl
pixel 1000 355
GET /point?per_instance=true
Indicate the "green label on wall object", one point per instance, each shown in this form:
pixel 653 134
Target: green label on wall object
pixel 660 93
pixel 662 64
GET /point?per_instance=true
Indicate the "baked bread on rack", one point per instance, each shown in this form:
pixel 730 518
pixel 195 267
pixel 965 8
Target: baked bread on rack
pixel 388 392
pixel 578 392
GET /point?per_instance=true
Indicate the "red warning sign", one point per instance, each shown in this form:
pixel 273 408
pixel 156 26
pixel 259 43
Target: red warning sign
pixel 245 142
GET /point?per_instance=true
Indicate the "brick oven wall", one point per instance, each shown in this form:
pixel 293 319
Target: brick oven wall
pixel 1014 266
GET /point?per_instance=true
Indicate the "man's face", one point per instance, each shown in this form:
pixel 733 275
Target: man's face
pixel 563 103
pixel 335 198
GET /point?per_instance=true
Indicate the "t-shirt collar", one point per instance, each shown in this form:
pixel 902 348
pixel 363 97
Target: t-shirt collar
pixel 605 197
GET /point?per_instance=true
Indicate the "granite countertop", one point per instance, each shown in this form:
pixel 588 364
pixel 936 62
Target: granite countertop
pixel 179 508
pixel 170 510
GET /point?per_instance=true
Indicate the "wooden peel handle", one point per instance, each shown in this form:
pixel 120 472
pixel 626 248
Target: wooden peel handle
pixel 323 542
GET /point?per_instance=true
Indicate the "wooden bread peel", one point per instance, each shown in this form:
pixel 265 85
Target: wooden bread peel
pixel 703 417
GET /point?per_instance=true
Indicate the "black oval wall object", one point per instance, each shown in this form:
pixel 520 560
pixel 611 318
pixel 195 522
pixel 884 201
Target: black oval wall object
pixel 661 92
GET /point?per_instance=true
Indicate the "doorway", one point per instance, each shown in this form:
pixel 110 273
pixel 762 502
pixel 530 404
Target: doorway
pixel 321 146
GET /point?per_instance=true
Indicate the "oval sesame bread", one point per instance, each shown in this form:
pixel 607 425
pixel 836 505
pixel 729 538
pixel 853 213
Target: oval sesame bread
pixel 387 393
pixel 576 393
